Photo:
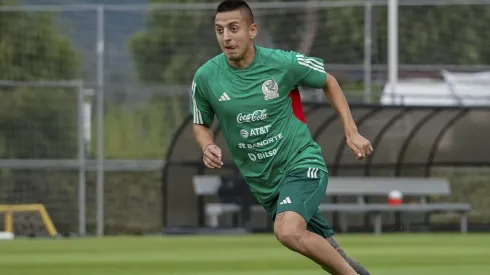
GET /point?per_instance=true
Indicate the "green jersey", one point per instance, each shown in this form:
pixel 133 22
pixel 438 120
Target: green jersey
pixel 257 108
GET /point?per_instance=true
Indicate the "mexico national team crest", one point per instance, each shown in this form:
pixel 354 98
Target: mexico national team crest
pixel 270 89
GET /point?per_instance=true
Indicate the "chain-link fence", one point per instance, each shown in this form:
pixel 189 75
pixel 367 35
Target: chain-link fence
pixel 100 89
pixel 43 150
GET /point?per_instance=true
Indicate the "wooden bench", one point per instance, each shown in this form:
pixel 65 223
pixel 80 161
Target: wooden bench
pixel 360 188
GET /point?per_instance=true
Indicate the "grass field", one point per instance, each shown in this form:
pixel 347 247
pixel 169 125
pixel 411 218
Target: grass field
pixel 400 254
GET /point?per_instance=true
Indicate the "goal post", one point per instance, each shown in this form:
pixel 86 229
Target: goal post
pixel 10 209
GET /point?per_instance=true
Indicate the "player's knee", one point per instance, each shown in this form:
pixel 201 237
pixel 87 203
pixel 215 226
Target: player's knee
pixel 288 236
pixel 289 228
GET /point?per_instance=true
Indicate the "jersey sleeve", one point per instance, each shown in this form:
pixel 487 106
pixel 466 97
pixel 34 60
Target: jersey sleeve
pixel 202 111
pixel 307 71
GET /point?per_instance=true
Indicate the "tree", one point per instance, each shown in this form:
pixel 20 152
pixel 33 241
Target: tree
pixel 35 121
pixel 453 34
pixel 176 43
pixel 173 45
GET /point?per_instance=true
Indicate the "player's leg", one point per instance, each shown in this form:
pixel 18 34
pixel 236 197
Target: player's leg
pixel 300 190
pixel 360 269
pixel 290 230
pixel 318 224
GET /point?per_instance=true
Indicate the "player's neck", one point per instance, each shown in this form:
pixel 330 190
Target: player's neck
pixel 246 60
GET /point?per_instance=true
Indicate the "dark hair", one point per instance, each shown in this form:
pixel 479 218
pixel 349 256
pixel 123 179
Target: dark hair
pixel 233 5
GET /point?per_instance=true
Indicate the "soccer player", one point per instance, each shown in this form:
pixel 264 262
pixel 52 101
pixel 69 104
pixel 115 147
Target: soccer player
pixel 253 93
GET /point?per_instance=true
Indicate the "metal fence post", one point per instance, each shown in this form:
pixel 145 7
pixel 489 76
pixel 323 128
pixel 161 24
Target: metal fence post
pixel 368 7
pixel 393 46
pixel 100 122
pixel 81 161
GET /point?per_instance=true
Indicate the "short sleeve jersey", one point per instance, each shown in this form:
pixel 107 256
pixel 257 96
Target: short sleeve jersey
pixel 258 115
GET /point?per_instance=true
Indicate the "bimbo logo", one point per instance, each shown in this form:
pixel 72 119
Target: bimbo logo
pixel 257 115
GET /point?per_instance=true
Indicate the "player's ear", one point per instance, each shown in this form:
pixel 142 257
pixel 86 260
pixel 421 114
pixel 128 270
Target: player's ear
pixel 253 30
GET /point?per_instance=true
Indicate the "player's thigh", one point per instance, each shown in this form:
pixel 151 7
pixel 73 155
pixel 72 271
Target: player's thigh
pixel 302 192
pixel 318 224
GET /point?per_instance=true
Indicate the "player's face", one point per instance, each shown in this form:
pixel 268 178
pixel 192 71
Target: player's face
pixel 234 34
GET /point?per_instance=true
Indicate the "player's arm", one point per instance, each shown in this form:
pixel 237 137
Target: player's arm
pixel 360 145
pixel 310 72
pixel 337 99
pixel 203 115
pixel 203 136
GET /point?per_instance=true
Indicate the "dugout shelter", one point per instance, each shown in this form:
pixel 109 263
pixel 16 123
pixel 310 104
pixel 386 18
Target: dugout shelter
pixel 408 141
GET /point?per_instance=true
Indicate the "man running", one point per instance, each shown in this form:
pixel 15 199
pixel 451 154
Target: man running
pixel 253 92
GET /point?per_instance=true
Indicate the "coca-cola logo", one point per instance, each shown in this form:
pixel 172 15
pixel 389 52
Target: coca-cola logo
pixel 256 115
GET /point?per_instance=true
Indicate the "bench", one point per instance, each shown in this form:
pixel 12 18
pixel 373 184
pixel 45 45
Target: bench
pixel 360 188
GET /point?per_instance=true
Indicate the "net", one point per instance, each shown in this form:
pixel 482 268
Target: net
pixel 39 130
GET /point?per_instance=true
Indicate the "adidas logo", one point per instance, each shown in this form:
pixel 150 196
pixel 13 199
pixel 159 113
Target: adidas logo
pixel 286 201
pixel 224 97
pixel 312 173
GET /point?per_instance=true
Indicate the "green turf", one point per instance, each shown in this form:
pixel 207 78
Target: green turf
pixel 401 254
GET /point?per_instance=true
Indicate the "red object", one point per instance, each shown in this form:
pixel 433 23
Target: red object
pixel 395 197
pixel 394 201
pixel 297 105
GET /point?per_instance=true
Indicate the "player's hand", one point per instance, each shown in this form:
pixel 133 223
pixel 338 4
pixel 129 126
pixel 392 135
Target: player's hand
pixel 359 145
pixel 212 156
